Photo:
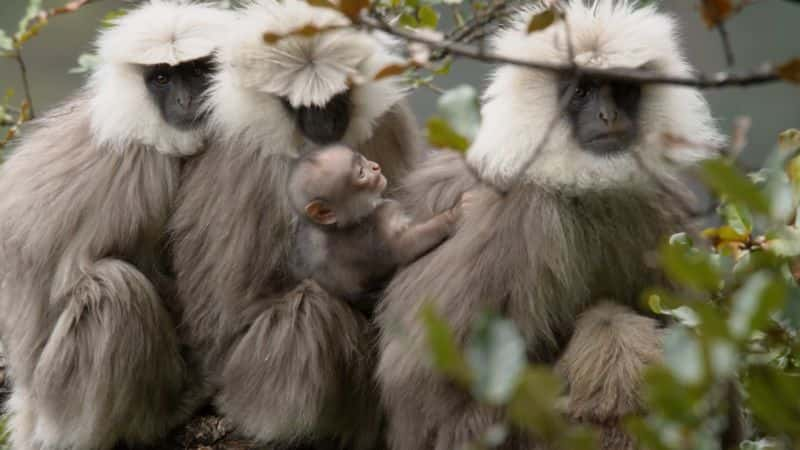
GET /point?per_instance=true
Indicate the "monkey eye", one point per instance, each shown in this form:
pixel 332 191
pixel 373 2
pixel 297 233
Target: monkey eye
pixel 361 173
pixel 161 78
pixel 581 92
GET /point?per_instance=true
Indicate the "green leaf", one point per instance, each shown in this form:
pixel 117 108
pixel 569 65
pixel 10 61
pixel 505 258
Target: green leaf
pixel 533 405
pixel 461 109
pixel 6 43
pixel 443 348
pixel 428 17
pixel 408 20
pixel 761 295
pixel 773 399
pixel 786 242
pixel 112 16
pixel 441 135
pixel 683 356
pixel 496 357
pixel 739 218
pixel 791 309
pixel 728 181
pixel 690 267
pixel 34 7
pixel 86 63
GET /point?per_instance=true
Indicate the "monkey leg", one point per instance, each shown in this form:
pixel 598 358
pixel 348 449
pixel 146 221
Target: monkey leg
pixel 110 370
pixel 603 365
pixel 303 368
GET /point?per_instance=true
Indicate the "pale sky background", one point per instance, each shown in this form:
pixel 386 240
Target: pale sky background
pixel 767 30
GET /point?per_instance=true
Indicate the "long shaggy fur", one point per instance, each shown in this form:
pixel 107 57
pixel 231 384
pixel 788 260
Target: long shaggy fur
pixel 291 364
pixel 577 229
pixel 92 346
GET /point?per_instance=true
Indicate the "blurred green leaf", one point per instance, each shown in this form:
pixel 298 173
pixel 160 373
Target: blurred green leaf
pixel 773 399
pixel 496 357
pixel 461 109
pixel 727 180
pixel 408 20
pixel 533 405
pixel 445 352
pixel 6 43
pixel 683 356
pixel 86 63
pixel 789 140
pixel 34 7
pixel 761 295
pixel 111 17
pixel 785 242
pixel 791 309
pixel 690 267
pixel 428 17
pixel 761 444
pixel 738 217
pixel 441 135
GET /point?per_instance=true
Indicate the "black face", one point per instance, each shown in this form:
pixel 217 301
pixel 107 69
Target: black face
pixel 326 124
pixel 177 90
pixel 604 116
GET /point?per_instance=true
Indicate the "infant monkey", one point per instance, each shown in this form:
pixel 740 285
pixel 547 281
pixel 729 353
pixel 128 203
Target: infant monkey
pixel 352 240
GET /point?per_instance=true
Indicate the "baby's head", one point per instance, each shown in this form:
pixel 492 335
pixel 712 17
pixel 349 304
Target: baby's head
pixel 335 186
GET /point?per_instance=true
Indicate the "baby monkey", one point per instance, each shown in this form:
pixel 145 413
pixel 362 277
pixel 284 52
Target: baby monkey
pixel 352 240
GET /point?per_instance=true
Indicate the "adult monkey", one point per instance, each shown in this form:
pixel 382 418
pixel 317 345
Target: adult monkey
pixel 92 347
pixel 574 229
pixel 292 365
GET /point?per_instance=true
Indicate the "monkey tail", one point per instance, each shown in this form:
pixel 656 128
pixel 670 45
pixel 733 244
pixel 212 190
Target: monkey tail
pixel 110 365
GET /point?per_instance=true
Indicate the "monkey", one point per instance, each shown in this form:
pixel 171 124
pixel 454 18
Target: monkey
pixel 352 239
pixel 290 364
pixel 89 317
pixel 547 241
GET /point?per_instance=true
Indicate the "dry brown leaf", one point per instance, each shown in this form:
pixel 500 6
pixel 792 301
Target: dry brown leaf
pixel 542 20
pixel 393 70
pixel 790 71
pixel 352 8
pixel 715 12
pixel 306 31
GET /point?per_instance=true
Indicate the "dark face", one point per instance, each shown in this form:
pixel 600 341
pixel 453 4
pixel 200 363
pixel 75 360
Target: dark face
pixel 326 124
pixel 604 116
pixel 177 90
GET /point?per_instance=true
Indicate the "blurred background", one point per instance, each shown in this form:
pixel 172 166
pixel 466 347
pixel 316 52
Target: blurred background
pixel 767 30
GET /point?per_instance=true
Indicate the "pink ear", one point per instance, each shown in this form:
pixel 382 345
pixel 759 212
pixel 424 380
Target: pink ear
pixel 319 213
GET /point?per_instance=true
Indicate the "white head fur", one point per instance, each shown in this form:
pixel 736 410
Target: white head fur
pixel 159 32
pixel 520 102
pixel 304 70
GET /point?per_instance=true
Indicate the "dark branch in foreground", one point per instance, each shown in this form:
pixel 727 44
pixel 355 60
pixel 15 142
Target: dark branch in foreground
pixel 765 74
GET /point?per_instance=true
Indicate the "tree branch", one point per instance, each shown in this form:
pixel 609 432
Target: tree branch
pixel 765 74
pixel 26 87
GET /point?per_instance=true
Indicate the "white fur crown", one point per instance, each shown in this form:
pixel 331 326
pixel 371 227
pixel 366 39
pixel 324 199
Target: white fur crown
pixel 520 102
pixel 159 32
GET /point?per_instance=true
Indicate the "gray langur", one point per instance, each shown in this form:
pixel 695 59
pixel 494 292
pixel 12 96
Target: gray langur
pixel 86 300
pixel 351 240
pixel 291 364
pixel 572 230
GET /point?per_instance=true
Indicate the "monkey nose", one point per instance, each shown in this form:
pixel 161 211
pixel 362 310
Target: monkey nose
pixel 608 116
pixel 375 167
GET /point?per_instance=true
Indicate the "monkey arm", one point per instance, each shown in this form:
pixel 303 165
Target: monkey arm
pixel 417 239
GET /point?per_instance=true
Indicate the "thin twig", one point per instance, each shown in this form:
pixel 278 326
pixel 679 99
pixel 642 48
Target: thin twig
pixel 766 74
pixel 726 44
pixel 26 87
pixel 475 25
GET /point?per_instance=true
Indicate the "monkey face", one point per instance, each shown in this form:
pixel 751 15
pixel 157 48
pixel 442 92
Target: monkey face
pixel 603 116
pixel 325 124
pixel 177 90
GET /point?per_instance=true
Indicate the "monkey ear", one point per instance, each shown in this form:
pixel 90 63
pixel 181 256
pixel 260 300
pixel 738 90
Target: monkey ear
pixel 319 213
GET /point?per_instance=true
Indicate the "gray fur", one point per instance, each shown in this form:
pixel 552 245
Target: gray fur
pixel 93 353
pixel 577 248
pixel 291 364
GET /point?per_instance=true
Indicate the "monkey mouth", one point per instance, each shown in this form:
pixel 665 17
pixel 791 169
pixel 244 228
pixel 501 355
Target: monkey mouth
pixel 607 143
